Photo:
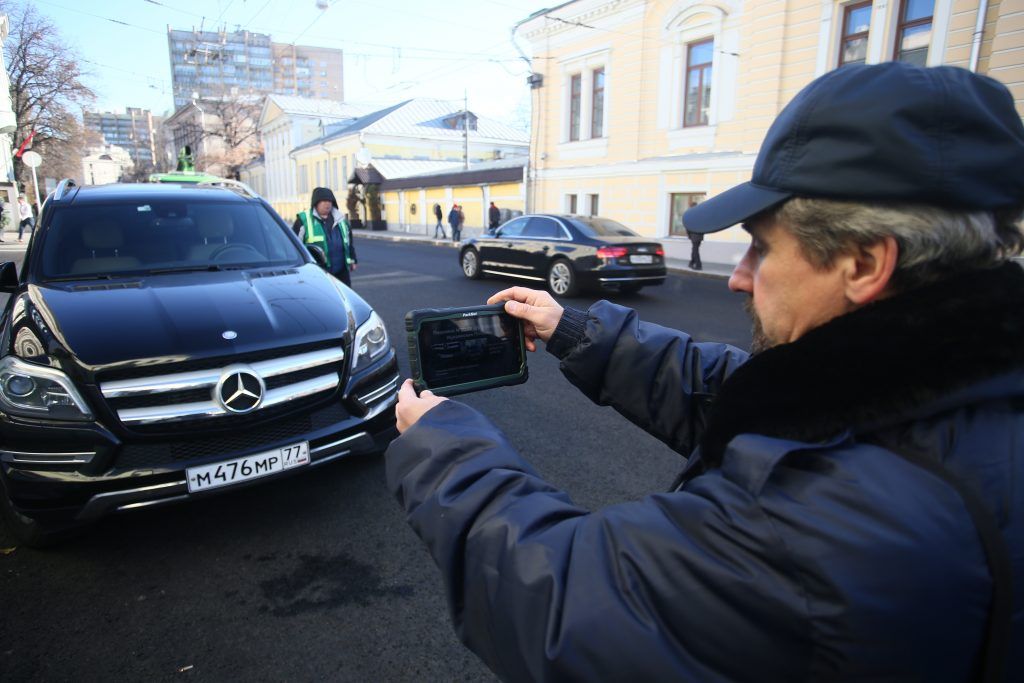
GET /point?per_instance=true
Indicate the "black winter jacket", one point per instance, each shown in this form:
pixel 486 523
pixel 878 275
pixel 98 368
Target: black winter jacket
pixel 798 546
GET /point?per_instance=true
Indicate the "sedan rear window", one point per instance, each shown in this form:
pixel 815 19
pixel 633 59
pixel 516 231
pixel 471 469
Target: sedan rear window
pixel 602 227
pixel 163 236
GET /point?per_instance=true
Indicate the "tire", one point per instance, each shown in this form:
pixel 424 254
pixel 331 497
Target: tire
pixel 30 532
pixel 562 279
pixel 470 262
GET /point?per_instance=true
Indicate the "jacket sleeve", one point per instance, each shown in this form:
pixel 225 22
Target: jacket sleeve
pixel 299 229
pixel 351 242
pixel 656 377
pixel 690 585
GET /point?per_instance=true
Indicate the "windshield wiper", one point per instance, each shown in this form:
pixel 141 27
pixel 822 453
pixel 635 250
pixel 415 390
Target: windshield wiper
pixel 185 269
pixel 74 278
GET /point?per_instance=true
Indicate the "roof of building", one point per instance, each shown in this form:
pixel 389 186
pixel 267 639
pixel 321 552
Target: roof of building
pixel 423 118
pixel 311 106
pixel 501 170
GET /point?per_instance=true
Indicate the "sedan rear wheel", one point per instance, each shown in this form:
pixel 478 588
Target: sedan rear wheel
pixel 471 264
pixel 562 279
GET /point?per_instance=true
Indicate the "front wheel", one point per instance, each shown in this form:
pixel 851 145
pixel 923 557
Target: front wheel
pixel 471 264
pixel 562 279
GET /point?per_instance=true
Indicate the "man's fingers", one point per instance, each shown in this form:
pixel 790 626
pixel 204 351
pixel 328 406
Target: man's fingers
pixel 407 392
pixel 531 314
pixel 522 294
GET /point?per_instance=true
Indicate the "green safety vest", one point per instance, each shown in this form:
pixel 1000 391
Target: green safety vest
pixel 314 235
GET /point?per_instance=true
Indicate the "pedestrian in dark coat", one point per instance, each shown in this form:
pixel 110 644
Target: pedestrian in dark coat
pixel 440 226
pixel 494 215
pixel 455 220
pixel 851 505
pixel 324 226
pixel 695 239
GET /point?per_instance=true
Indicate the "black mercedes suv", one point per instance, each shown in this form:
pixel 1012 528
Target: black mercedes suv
pixel 165 342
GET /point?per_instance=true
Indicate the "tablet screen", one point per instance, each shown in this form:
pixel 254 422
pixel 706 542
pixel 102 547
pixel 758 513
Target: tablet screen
pixel 469 349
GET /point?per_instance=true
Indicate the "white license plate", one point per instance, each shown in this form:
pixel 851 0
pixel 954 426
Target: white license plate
pixel 641 258
pixel 247 468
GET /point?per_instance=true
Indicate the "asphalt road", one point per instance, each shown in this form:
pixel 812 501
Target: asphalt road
pixel 318 576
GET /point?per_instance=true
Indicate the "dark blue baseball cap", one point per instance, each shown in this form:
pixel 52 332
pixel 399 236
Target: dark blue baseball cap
pixel 892 132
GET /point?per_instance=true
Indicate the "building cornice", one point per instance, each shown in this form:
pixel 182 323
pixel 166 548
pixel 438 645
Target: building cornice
pixel 564 19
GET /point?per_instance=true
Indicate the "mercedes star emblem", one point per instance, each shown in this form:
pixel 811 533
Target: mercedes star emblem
pixel 240 390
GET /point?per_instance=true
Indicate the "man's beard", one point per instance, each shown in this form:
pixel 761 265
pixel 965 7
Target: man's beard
pixel 760 341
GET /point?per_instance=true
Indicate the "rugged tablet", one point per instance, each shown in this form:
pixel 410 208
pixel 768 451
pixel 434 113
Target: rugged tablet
pixel 458 350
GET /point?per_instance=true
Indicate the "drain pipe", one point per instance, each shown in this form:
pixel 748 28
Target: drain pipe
pixel 979 32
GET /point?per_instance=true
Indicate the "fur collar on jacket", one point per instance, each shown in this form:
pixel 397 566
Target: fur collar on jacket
pixel 876 362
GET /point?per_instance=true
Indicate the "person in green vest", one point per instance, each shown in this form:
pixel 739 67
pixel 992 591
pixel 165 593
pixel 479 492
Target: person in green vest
pixel 324 226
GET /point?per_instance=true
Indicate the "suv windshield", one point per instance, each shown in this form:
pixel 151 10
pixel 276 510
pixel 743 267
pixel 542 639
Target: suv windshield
pixel 601 227
pixel 163 236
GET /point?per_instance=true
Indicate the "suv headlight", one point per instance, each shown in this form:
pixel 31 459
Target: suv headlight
pixel 371 342
pixel 31 390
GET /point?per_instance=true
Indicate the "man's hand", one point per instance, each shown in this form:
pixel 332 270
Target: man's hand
pixel 411 407
pixel 539 310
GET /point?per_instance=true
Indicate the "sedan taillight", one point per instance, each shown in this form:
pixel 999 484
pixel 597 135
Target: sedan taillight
pixel 612 252
pixel 660 251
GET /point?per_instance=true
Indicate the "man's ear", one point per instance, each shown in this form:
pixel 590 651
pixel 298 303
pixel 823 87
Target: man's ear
pixel 870 270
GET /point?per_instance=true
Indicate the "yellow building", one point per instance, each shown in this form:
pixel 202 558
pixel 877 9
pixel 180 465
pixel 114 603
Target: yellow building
pixel 642 108
pixel 410 138
pixel 409 201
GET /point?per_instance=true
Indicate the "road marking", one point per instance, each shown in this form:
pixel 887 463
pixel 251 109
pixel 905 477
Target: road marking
pixel 397 280
pixel 395 275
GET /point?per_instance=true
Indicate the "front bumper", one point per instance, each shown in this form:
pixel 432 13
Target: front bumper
pixel 78 474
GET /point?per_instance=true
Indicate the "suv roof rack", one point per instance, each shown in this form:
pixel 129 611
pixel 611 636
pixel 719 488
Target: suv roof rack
pixel 235 185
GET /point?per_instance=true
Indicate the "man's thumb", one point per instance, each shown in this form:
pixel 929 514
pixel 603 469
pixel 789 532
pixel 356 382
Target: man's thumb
pixel 520 310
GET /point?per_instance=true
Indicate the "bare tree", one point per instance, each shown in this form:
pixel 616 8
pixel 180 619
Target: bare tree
pixel 232 123
pixel 46 91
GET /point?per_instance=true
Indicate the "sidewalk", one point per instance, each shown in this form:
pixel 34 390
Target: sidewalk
pixel 716 256
pixel 11 237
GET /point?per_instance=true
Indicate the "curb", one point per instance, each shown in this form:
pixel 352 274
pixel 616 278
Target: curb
pixel 675 270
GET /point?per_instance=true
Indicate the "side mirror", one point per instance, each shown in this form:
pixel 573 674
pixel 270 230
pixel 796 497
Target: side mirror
pixel 8 277
pixel 317 253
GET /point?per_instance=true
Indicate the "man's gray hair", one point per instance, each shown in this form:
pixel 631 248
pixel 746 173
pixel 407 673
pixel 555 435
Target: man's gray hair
pixel 934 243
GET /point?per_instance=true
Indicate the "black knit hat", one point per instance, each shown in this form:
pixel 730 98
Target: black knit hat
pixel 889 132
pixel 321 194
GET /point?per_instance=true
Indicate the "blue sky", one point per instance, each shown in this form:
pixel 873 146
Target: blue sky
pixel 394 49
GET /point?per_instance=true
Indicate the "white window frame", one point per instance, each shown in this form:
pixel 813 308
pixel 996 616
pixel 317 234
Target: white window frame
pixel 882 35
pixel 568 201
pixel 584 65
pixel 686 24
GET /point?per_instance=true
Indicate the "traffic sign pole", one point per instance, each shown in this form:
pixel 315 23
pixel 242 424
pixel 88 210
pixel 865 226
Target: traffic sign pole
pixel 35 182
pixel 32 160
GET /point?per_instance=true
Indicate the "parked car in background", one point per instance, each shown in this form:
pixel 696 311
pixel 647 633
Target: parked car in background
pixel 567 252
pixel 166 342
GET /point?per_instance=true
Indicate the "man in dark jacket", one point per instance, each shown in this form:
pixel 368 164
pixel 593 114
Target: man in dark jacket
pixel 324 226
pixel 494 216
pixel 440 226
pixel 851 507
pixel 455 220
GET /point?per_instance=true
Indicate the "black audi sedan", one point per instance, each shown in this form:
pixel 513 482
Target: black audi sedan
pixel 567 252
